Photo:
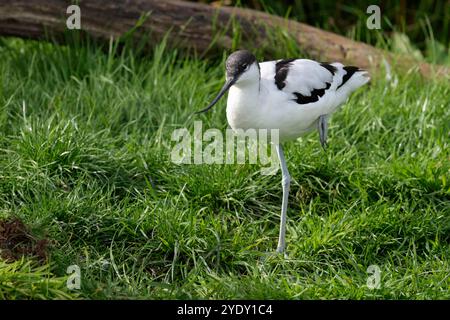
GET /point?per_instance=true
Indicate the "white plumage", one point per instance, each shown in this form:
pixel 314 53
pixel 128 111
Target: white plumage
pixel 261 105
pixel 294 96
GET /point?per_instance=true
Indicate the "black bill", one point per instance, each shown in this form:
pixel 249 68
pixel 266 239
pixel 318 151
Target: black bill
pixel 224 89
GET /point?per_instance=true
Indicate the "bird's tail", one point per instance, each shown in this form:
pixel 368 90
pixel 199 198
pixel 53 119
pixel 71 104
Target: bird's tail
pixel 353 79
pixel 348 79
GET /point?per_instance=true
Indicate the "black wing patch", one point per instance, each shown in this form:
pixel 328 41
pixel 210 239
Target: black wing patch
pixel 315 95
pixel 281 71
pixel 329 67
pixel 350 72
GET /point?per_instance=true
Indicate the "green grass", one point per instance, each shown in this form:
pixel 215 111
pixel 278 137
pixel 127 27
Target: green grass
pixel 85 133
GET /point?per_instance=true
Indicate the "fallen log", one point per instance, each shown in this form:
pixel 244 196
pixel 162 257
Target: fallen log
pixel 194 26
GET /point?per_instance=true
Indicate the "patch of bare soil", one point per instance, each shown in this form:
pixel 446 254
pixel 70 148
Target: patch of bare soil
pixel 16 241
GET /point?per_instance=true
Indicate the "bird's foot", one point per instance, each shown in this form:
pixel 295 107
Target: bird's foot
pixel 323 130
pixel 273 256
pixel 281 252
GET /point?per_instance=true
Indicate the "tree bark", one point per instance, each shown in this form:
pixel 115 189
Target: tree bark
pixel 195 26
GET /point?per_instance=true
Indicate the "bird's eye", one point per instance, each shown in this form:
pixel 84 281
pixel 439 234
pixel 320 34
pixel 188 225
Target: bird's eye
pixel 245 66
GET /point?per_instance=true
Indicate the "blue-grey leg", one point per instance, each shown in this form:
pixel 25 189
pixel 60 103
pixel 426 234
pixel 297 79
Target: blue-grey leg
pixel 286 181
pixel 323 130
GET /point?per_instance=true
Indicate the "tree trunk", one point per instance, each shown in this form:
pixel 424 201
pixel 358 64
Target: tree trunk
pixel 194 26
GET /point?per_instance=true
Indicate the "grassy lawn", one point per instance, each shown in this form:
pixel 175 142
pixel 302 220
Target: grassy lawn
pixel 85 141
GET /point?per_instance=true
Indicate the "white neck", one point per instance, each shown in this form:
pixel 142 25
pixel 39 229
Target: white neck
pixel 242 105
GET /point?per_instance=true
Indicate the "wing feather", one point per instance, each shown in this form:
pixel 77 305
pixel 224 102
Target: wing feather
pixel 306 80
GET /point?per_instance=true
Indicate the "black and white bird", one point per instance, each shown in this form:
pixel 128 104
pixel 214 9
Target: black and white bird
pixel 294 96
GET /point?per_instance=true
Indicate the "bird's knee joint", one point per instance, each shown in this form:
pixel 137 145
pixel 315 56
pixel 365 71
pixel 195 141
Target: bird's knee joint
pixel 286 180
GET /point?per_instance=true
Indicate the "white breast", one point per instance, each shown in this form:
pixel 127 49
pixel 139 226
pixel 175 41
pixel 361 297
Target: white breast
pixel 269 108
pixel 243 108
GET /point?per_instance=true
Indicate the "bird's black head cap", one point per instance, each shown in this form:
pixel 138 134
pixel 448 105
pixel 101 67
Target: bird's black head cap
pixel 238 62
